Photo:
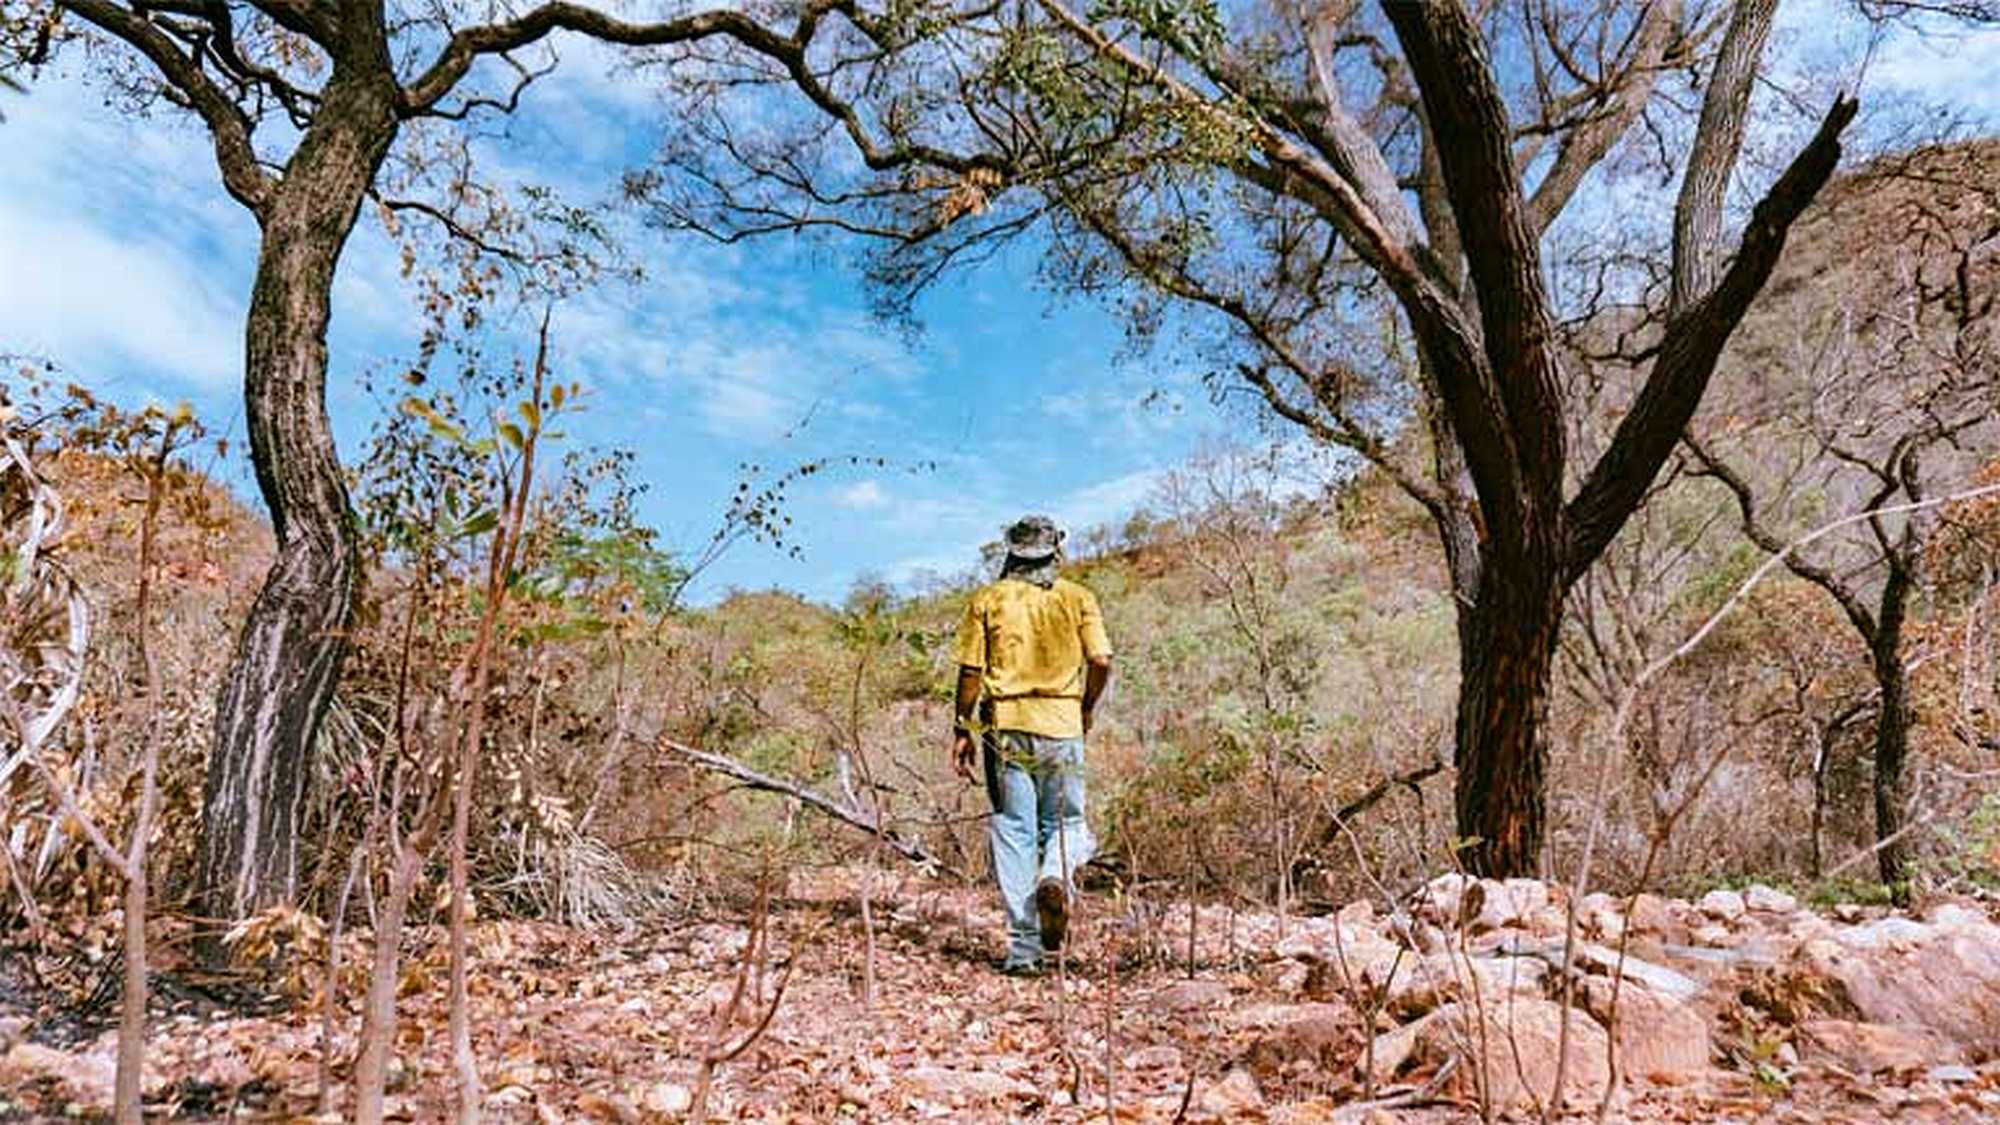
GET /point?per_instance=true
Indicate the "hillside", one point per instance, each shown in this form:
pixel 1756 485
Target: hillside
pixel 1273 930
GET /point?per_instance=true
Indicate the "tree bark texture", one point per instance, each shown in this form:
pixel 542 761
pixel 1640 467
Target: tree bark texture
pixel 1505 663
pixel 1892 732
pixel 1718 140
pixel 289 654
pixel 1501 387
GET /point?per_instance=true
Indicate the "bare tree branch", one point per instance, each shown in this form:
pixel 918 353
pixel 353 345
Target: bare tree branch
pixel 1691 345
pixel 1718 138
pixel 242 174
pixel 716 763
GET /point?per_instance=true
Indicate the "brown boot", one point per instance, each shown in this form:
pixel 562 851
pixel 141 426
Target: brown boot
pixel 1052 907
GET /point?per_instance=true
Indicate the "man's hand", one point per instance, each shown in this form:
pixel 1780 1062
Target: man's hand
pixel 1086 724
pixel 962 752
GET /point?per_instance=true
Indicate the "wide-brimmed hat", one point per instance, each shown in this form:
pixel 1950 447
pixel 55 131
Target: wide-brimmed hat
pixel 1034 537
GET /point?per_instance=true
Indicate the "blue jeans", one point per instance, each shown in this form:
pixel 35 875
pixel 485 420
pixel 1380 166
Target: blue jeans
pixel 1037 827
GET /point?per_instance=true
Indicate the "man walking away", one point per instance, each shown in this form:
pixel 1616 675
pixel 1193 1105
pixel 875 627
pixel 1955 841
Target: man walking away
pixel 1033 645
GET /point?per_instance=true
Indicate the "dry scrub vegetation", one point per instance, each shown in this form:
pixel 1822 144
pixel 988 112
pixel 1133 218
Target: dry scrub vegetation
pixel 654 937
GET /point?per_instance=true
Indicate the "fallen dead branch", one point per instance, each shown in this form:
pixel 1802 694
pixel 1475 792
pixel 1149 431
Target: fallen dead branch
pixel 908 848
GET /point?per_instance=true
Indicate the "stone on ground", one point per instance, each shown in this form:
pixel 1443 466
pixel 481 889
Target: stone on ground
pixel 1508 1054
pixel 1868 1048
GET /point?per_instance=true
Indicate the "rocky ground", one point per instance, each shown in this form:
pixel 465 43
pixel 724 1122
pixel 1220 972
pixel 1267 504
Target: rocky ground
pixel 1738 1007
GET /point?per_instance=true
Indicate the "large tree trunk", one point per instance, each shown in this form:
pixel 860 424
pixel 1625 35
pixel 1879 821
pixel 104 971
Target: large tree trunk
pixel 1509 638
pixel 1892 732
pixel 289 654
pixel 1892 743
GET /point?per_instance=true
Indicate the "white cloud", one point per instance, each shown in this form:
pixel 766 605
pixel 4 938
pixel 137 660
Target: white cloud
pixel 744 409
pixel 1106 501
pixel 958 527
pixel 121 249
pixel 862 496
pixel 751 362
pixel 1930 58
pixel 96 302
pixel 1958 67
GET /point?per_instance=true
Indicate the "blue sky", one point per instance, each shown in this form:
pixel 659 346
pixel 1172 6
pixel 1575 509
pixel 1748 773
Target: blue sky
pixel 121 257
pixel 128 265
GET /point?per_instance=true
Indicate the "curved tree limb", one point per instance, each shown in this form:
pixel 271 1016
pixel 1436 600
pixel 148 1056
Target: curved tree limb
pixel 242 175
pixel 1689 349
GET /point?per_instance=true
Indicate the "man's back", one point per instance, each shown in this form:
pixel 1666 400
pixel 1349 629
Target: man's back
pixel 1030 643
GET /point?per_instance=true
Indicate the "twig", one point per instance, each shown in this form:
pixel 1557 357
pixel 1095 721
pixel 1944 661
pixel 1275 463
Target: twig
pixel 907 848
pixel 1623 718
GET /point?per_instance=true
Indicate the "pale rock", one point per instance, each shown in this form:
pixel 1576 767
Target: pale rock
pixel 1848 912
pixel 1591 957
pixel 1424 983
pixel 1491 904
pixel 1726 906
pixel 1955 914
pixel 669 1097
pixel 1659 1038
pixel 1357 914
pixel 1653 916
pixel 1192 995
pixel 1352 965
pixel 1233 1098
pixel 1390 1050
pixel 1952 1072
pixel 1865 1048
pixel 1947 980
pixel 1163 1056
pixel 1415 933
pixel 591 1104
pixel 1714 935
pixel 230 1065
pixel 1597 915
pixel 1320 1035
pixel 1443 897
pixel 1554 894
pixel 13 1029
pixel 1286 978
pixel 1324 939
pixel 84 1079
pixel 1521 1042
pixel 509 1096
pixel 1892 932
pixel 1548 921
pixel 1769 900
pixel 1300 941
pixel 969 1085
pixel 1597 902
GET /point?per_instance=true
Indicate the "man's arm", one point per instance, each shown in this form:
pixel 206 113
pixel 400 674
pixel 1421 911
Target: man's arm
pixel 1096 676
pixel 1096 652
pixel 970 681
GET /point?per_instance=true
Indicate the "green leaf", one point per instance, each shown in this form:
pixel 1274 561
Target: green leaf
pixel 479 523
pixel 512 433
